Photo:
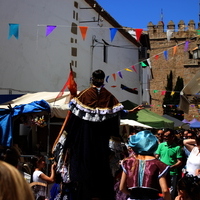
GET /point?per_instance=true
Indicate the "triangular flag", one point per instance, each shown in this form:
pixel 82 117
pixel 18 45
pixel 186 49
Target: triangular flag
pixel 70 84
pixel 186 46
pixel 120 74
pixel 198 32
pixel 114 76
pixel 112 33
pixel 144 64
pixel 172 93
pixel 174 50
pixel 156 57
pixel 163 92
pixel 49 29
pixel 13 31
pixel 149 63
pixel 155 91
pixel 127 69
pixel 165 54
pixel 133 67
pixel 107 79
pixel 169 34
pixel 138 33
pixel 83 30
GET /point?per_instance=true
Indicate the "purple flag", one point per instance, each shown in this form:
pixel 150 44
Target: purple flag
pixel 186 46
pixel 120 74
pixel 49 29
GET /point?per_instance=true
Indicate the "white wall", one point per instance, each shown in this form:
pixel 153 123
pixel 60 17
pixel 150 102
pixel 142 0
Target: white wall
pixel 35 62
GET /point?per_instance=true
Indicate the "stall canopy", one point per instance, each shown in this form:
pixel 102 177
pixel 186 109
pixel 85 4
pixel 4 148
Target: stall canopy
pixel 147 117
pixel 7 115
pixel 58 108
pixel 190 93
pixel 131 122
pixel 194 123
pixel 177 122
pixel 30 103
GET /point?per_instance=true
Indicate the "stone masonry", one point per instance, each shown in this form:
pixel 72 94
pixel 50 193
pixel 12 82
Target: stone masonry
pixel 181 63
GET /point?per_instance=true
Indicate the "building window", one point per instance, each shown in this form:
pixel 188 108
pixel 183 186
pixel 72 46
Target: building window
pixel 74 51
pixel 105 53
pixel 74 14
pixel 75 4
pixel 74 28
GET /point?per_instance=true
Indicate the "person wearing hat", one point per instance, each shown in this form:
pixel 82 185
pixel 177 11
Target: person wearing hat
pixel 144 176
pixel 95 117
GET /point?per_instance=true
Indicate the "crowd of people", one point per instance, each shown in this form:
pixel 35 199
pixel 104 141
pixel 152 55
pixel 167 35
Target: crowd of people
pixel 94 162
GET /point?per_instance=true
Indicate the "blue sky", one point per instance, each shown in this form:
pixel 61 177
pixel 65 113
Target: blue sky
pixel 138 13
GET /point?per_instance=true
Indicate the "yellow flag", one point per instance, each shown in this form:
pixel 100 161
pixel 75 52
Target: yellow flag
pixel 129 70
pixel 172 93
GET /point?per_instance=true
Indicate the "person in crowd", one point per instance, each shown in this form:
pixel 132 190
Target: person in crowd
pixel 94 118
pixel 10 155
pixel 188 188
pixel 12 184
pixel 193 160
pixel 143 175
pixel 39 178
pixel 170 153
pixel 159 135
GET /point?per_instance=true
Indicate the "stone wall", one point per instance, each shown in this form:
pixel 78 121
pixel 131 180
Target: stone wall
pixel 179 63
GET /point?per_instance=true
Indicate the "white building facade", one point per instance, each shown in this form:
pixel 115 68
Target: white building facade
pixel 36 62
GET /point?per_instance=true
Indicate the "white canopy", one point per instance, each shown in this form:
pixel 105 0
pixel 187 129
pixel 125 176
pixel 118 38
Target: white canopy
pixel 59 107
pixel 133 123
pixel 190 92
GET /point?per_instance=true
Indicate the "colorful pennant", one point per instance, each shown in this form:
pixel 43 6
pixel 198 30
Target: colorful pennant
pixel 13 31
pixel 49 29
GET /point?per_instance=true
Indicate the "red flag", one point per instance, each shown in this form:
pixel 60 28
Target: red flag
pixel 70 84
pixel 138 33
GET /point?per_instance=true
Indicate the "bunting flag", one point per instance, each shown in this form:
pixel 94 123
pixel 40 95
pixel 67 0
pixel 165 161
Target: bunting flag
pixel 70 84
pixel 138 33
pixel 156 57
pixel 155 91
pixel 49 29
pixel 149 63
pixel 13 31
pixel 165 54
pixel 127 69
pixel 163 92
pixel 198 32
pixel 120 74
pixel 113 33
pixel 131 90
pixel 144 64
pixel 186 46
pixel 83 30
pixel 107 78
pixel 169 34
pixel 174 50
pixel 133 67
pixel 114 76
pixel 172 93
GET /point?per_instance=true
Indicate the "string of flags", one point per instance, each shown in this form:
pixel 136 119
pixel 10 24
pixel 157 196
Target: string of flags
pixel 14 31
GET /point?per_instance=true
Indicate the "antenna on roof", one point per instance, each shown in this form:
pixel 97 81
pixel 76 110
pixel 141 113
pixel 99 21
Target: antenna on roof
pixel 162 16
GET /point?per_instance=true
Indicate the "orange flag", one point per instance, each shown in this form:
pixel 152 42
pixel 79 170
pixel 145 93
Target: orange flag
pixel 83 30
pixel 70 84
pixel 114 76
pixel 174 50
